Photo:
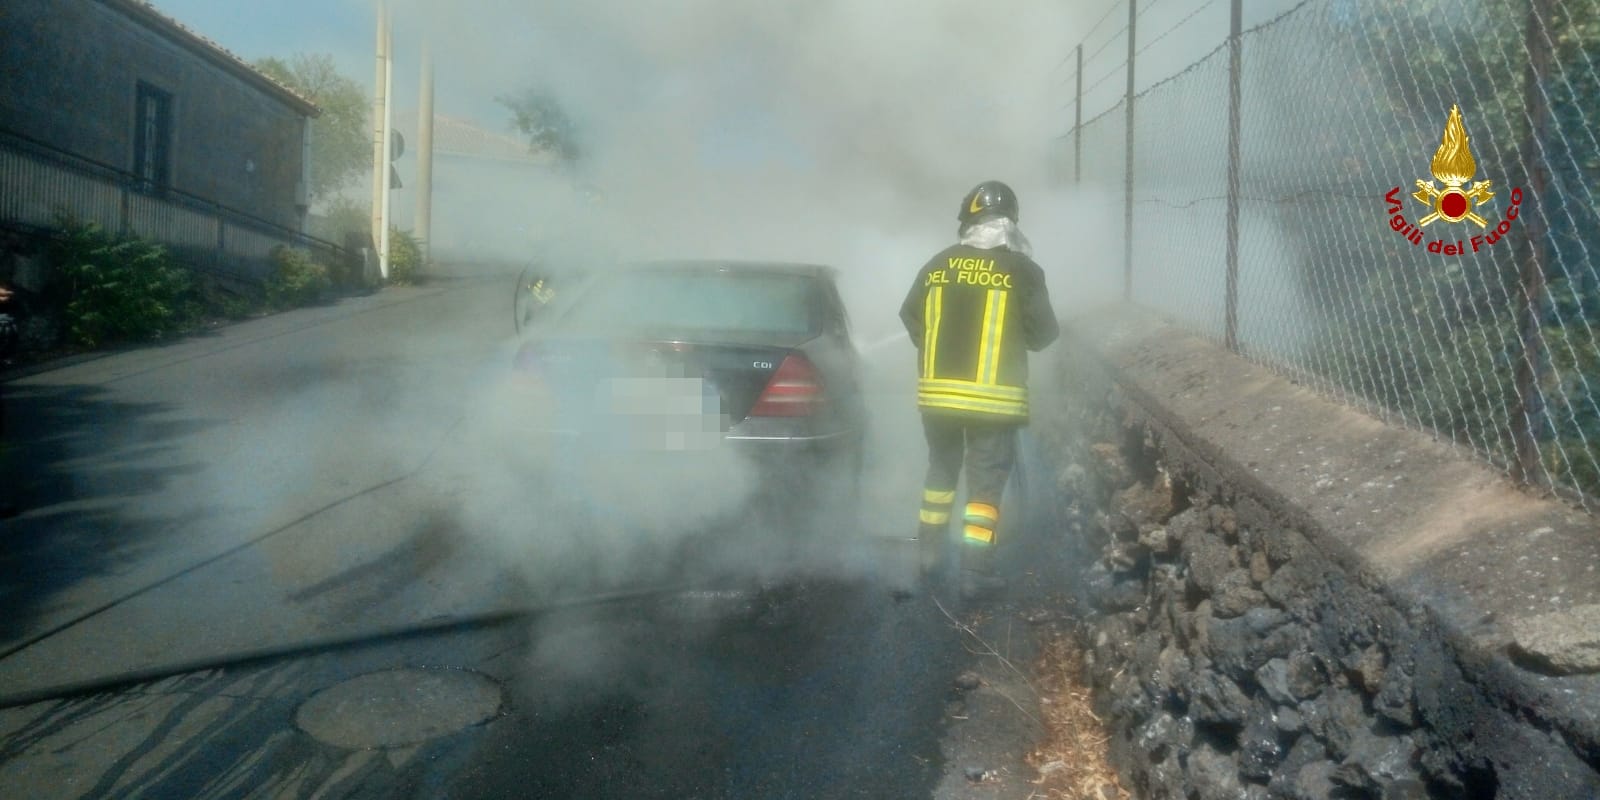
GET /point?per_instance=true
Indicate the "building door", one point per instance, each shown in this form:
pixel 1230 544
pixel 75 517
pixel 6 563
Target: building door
pixel 152 138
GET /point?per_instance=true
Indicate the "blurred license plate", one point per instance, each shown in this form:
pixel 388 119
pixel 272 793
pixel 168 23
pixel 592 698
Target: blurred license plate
pixel 663 414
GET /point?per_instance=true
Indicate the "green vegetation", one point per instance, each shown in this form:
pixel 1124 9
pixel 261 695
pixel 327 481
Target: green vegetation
pixel 229 305
pixel 406 262
pixel 1435 338
pixel 340 216
pixel 341 143
pixel 114 288
pixel 109 289
pixel 541 117
pixel 1571 386
pixel 297 279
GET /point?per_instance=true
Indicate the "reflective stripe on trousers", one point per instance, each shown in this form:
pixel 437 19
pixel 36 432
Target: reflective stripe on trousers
pixel 981 521
pixel 936 505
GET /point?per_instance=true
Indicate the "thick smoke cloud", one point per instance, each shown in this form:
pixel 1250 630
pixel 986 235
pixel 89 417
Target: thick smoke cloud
pixel 831 132
pixel 842 133
pixel 836 132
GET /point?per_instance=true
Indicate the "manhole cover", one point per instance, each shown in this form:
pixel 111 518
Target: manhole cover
pixel 396 708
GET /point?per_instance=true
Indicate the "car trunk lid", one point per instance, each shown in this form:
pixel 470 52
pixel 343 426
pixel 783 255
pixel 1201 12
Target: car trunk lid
pixel 600 379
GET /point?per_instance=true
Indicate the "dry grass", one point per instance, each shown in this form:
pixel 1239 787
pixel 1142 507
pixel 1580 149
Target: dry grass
pixel 1073 760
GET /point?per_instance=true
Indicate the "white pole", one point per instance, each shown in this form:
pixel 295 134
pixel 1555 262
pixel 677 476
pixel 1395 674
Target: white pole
pixel 380 164
pixel 424 219
pixel 388 143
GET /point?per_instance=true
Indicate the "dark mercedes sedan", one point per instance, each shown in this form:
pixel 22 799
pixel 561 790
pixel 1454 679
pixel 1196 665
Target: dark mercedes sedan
pixel 672 365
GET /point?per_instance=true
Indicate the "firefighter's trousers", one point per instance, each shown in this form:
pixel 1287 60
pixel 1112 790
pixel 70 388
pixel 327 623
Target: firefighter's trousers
pixel 989 451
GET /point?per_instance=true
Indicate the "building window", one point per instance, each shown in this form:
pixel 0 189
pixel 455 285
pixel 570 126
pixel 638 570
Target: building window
pixel 152 138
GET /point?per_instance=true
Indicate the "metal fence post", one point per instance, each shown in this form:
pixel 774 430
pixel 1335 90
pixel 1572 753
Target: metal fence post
pixel 1077 122
pixel 1127 209
pixel 1235 23
pixel 1529 421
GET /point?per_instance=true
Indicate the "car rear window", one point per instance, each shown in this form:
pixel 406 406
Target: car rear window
pixel 703 301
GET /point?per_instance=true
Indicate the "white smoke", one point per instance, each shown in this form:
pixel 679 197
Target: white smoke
pixel 833 132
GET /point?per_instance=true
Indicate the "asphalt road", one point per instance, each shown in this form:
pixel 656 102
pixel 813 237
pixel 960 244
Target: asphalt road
pixel 251 518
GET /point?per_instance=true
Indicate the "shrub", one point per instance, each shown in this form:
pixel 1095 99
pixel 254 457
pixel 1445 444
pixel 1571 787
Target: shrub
pixel 341 216
pixel 234 307
pixel 297 279
pixel 216 300
pixel 117 288
pixel 406 263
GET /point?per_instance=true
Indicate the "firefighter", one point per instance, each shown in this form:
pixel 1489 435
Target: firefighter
pixel 974 312
pixel 539 293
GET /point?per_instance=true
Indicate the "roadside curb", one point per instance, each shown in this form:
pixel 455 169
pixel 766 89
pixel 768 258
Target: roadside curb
pixel 74 359
pixel 432 281
pixel 50 365
pixel 195 337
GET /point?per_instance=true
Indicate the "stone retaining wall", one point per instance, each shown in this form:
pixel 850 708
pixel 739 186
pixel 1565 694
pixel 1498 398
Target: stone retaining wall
pixel 1240 650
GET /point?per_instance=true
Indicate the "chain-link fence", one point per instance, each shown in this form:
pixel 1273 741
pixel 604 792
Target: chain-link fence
pixel 1293 195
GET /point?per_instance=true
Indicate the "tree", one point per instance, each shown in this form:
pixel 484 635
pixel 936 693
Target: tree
pixel 341 147
pixel 339 216
pixel 540 116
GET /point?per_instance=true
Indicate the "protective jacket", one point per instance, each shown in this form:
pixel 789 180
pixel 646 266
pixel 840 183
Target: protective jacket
pixel 974 314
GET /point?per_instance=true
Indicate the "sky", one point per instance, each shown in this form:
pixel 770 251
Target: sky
pixel 257 30
pixel 344 29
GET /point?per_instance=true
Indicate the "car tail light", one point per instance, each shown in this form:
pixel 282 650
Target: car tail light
pixel 795 390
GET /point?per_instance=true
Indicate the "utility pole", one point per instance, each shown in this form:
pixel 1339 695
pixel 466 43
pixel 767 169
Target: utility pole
pixel 388 143
pixel 1235 66
pixel 1077 122
pixel 1528 422
pixel 380 139
pixel 1127 183
pixel 425 152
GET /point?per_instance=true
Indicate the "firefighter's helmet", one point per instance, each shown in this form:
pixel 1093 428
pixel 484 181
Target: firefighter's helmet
pixel 988 199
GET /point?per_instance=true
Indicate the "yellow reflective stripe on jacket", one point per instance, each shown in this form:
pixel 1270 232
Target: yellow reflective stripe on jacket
pixel 967 403
pixel 937 497
pixel 973 388
pixel 927 517
pixel 932 310
pixel 994 327
pixel 1010 397
pixel 972 396
pixel 1008 408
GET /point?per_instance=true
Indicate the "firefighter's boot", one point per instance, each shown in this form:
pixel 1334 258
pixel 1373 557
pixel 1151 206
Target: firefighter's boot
pixel 979 580
pixel 931 540
pixel 933 530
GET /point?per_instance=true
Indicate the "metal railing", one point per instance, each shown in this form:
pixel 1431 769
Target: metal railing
pixel 39 183
pixel 1274 199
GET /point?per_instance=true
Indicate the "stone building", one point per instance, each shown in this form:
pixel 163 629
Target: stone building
pixel 121 115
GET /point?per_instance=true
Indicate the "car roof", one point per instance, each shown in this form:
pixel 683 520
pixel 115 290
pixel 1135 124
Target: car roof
pixel 734 266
